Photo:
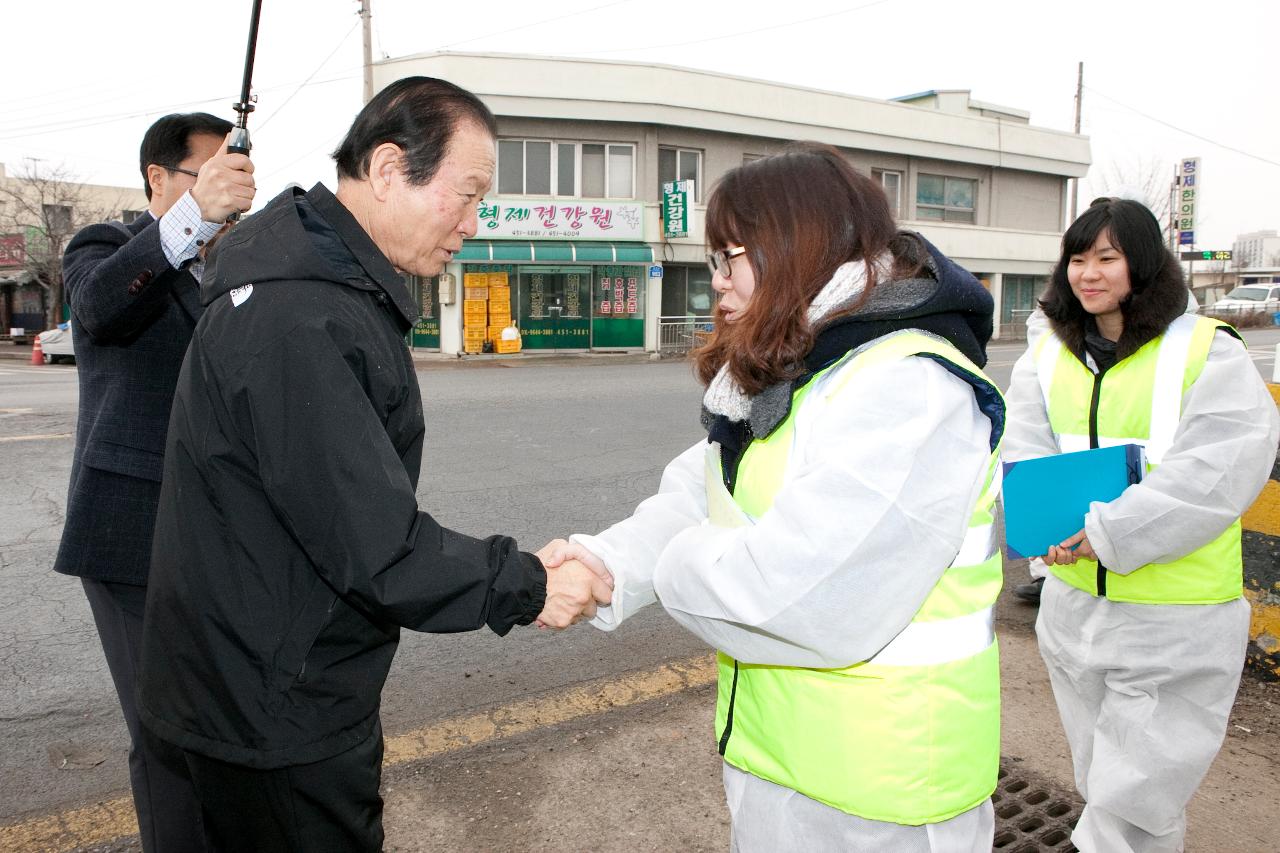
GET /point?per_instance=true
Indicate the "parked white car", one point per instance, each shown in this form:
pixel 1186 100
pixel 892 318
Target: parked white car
pixel 56 344
pixel 1250 297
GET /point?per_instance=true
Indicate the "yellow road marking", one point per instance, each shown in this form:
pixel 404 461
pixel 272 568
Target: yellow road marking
pixel 37 437
pixel 107 821
pixel 1264 515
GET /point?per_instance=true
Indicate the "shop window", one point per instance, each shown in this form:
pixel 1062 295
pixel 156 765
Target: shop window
pixel 130 216
pixel 680 164
pixel 1018 297
pixel 686 291
pixel 945 199
pixel 891 182
pixel 57 217
pixel 541 167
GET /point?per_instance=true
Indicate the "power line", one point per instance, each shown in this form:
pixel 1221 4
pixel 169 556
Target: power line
pixel 741 33
pixel 536 23
pixel 322 64
pixel 328 142
pixel 1182 130
pixel 95 121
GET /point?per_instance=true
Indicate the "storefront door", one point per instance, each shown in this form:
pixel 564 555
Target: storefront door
pixel 617 308
pixel 553 308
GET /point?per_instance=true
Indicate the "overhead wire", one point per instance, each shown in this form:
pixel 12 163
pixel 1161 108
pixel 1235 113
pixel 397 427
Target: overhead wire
pixel 740 33
pixel 572 14
pixel 323 62
pixel 1182 130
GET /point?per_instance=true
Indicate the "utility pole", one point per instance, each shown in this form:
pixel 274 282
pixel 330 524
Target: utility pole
pixel 365 16
pixel 1075 182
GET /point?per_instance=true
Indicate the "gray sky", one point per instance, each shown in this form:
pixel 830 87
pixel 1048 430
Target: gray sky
pixel 1163 80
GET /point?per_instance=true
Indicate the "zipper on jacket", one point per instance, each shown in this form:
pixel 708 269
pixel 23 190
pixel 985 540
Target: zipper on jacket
pixel 728 720
pixel 1093 445
pixel 302 672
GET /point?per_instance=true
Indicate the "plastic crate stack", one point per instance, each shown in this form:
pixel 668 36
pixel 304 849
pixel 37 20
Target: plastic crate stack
pixel 500 313
pixel 475 311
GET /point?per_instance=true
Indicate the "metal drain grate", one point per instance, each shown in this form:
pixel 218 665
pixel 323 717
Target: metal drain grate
pixel 1032 815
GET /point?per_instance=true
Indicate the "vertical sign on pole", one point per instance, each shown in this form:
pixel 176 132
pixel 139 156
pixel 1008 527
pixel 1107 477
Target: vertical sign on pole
pixel 1188 186
pixel 675 208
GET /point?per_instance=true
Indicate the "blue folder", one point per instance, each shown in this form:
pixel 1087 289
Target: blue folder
pixel 1046 499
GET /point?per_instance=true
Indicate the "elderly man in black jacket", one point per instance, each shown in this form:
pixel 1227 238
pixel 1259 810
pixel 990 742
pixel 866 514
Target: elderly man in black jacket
pixel 134 304
pixel 290 548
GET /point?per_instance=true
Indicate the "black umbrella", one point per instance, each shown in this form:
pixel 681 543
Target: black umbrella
pixel 240 135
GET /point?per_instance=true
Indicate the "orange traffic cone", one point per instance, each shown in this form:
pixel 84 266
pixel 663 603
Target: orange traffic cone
pixel 37 352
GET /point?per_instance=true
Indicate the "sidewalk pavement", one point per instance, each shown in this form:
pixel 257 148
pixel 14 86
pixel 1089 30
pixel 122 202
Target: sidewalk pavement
pixel 646 776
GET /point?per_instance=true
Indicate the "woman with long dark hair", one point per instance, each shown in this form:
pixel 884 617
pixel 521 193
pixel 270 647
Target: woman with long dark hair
pixel 832 537
pixel 1142 623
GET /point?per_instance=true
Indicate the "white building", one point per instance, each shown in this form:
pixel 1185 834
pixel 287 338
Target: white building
pixel 575 229
pixel 1256 249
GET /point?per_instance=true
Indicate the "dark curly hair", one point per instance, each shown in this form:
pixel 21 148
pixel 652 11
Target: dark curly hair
pixel 1158 291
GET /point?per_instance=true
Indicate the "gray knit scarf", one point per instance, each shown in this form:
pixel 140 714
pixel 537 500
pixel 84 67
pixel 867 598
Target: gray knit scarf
pixel 725 397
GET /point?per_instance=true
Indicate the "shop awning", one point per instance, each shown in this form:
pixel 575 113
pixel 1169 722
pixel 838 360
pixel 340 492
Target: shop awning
pixel 515 251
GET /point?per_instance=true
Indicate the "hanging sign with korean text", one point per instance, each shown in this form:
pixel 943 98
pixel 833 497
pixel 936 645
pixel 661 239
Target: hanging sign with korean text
pixel 1188 186
pixel 561 219
pixel 675 208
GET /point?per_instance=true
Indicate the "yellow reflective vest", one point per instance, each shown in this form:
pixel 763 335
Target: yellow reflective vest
pixel 912 735
pixel 1139 401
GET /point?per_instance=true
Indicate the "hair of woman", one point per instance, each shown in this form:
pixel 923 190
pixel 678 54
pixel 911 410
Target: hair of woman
pixel 800 214
pixel 1155 276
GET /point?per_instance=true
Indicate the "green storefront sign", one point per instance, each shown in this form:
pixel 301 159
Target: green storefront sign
pixel 675 208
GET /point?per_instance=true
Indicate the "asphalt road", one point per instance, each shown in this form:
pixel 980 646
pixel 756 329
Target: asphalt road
pixel 532 449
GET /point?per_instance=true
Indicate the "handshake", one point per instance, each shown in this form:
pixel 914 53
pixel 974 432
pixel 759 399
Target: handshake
pixel 577 581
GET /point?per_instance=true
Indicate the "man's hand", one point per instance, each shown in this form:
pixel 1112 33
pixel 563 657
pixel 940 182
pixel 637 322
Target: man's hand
pixel 225 185
pixel 1069 550
pixel 573 591
pixel 557 551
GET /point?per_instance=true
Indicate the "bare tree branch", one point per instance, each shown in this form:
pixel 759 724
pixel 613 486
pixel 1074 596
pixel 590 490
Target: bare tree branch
pixel 47 205
pixel 1146 180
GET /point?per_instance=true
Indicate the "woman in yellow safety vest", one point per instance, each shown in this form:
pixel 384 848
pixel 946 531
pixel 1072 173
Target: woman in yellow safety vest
pixel 1142 624
pixel 832 537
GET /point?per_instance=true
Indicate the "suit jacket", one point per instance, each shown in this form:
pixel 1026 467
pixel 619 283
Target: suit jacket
pixel 132 316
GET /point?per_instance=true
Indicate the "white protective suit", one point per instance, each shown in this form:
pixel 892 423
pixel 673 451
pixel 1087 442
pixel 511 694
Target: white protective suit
pixel 1144 690
pixel 1037 325
pixel 874 508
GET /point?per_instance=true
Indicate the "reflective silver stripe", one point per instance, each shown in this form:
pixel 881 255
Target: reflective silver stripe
pixel 1071 442
pixel 978 545
pixel 926 643
pixel 1046 364
pixel 1166 391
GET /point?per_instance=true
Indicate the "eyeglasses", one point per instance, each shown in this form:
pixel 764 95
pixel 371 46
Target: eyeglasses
pixel 179 169
pixel 718 262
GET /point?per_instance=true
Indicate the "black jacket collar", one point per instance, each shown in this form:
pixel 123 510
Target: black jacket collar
pixel 364 250
pixel 276 245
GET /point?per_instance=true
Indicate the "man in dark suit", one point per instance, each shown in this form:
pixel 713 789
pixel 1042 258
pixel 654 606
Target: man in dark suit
pixel 134 303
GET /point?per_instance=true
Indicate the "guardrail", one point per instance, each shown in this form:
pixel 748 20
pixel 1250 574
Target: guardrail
pixel 681 333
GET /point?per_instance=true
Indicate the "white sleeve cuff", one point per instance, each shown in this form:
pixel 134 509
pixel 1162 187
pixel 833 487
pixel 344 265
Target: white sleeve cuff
pixel 1101 542
pixel 183 233
pixel 626 601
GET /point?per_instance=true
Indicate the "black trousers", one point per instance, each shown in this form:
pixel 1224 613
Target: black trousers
pixel 331 805
pixel 168 814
